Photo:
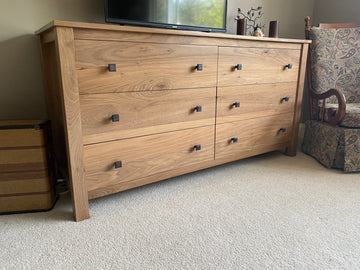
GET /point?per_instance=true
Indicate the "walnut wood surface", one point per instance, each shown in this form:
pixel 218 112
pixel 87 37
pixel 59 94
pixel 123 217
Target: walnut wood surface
pixel 168 67
pixel 257 133
pixel 177 38
pixel 143 113
pixel 55 104
pixel 252 134
pixel 145 156
pixel 73 133
pixel 154 91
pixel 255 101
pixel 120 186
pixel 258 66
pixel 166 32
pixel 292 149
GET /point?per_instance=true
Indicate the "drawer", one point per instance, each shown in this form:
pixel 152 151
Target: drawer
pixel 253 134
pixel 145 156
pixel 144 113
pixel 236 103
pixel 143 66
pixel 258 65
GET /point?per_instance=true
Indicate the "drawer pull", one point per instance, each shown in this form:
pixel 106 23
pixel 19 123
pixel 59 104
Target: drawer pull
pixel 282 130
pixel 112 67
pixel 198 108
pixel 285 99
pixel 234 140
pixel 289 66
pixel 115 118
pixel 236 104
pixel 199 67
pixel 197 147
pixel 238 66
pixel 118 164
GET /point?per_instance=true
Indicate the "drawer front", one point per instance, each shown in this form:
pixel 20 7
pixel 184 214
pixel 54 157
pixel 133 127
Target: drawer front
pixel 114 116
pixel 253 134
pixel 236 103
pixel 258 65
pixel 145 156
pixel 143 66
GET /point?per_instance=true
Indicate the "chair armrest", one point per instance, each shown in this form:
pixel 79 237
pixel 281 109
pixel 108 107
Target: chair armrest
pixel 334 119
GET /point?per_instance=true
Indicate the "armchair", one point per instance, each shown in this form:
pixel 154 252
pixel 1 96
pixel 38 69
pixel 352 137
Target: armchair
pixel 332 135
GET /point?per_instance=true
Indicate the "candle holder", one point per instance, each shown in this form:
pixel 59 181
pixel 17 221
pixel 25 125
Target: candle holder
pixel 274 29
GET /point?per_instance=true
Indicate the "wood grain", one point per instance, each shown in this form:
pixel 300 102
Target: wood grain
pixel 292 149
pixel 142 66
pixel 120 186
pixel 22 138
pixel 255 101
pixel 144 113
pixel 145 156
pixel 18 156
pixel 73 133
pixel 55 105
pixel 24 185
pixel 252 134
pixel 166 32
pixel 154 90
pixel 28 202
pixel 259 66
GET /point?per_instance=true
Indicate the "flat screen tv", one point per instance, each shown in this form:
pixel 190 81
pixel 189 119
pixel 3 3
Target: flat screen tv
pixel 200 15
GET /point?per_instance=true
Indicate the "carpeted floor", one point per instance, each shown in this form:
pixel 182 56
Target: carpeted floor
pixel 266 212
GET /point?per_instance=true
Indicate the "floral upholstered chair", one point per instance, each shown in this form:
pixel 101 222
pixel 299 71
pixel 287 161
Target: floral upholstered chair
pixel 332 135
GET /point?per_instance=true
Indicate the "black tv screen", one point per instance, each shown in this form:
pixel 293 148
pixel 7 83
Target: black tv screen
pixel 202 15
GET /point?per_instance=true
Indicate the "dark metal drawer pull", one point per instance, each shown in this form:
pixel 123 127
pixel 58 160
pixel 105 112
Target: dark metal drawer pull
pixel 289 66
pixel 115 118
pixel 238 66
pixel 234 140
pixel 112 67
pixel 197 147
pixel 199 67
pixel 282 129
pixel 236 104
pixel 285 99
pixel 118 164
pixel 198 108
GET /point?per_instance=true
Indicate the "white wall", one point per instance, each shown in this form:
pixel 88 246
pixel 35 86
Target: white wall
pixel 335 11
pixel 21 82
pixel 290 13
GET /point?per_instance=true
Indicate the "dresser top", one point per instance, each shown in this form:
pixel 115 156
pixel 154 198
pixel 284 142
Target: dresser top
pixel 112 27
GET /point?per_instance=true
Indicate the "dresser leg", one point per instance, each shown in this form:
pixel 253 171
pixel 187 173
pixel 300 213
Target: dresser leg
pixel 80 207
pixel 291 151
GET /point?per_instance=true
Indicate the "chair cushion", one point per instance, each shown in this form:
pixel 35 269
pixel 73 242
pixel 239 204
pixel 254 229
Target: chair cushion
pixel 335 61
pixel 352 116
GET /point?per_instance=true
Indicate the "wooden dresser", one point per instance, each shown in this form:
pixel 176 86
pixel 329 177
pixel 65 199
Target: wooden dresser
pixel 131 105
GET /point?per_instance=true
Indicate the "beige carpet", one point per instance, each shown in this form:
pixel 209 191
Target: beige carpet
pixel 267 212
